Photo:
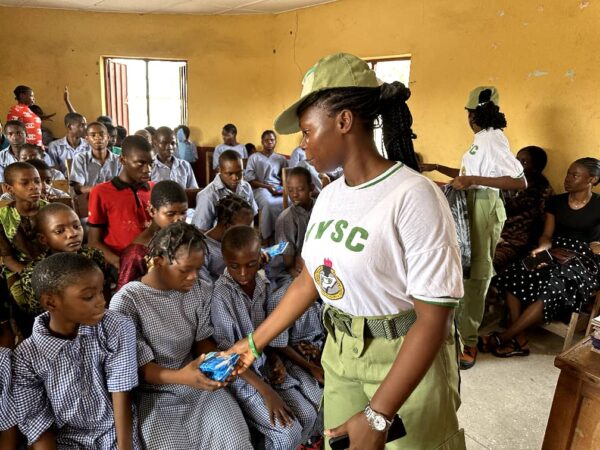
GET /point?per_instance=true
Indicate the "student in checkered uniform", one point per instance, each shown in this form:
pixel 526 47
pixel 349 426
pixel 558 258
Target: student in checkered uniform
pixel 281 413
pixel 179 408
pixel 231 210
pixel 8 418
pixel 72 377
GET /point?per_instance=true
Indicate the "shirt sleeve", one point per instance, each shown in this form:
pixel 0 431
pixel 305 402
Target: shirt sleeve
pixel 274 298
pixel 251 200
pixel 97 214
pixel 5 245
pixel 1 174
pixel 120 366
pixel 13 114
pixel 123 302
pixel 204 329
pixel 226 330
pixel 132 265
pixel 428 236
pixel 250 174
pixel 505 163
pixel 79 169
pixel 34 412
pixel 191 182
pixel 8 416
pixel 286 230
pixel 204 214
pixel 215 157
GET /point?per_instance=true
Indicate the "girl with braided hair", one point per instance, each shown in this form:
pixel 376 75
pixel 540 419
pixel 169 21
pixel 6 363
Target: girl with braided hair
pixel 231 210
pixel 168 204
pixel 488 166
pixel 380 250
pixel 178 406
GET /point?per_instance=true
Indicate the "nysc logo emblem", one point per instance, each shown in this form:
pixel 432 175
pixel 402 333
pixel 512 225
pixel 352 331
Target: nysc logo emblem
pixel 329 284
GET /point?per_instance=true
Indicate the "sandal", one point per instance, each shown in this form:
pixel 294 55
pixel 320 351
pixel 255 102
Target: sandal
pixel 513 348
pixel 490 342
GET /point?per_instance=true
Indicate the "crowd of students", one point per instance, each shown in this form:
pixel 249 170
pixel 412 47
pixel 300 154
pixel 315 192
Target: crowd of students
pixel 112 313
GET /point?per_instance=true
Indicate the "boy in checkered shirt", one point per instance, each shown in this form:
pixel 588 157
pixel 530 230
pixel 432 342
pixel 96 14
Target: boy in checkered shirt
pixel 72 377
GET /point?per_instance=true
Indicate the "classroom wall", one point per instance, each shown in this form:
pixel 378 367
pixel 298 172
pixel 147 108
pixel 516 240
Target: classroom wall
pixel 541 55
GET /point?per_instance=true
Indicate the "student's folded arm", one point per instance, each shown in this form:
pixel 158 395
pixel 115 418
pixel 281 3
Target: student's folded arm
pixel 95 239
pixel 123 419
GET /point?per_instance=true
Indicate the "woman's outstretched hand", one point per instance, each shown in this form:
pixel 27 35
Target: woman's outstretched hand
pixel 247 358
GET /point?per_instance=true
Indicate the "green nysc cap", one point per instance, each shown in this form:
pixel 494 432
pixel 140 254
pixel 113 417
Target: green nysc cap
pixel 333 71
pixel 481 95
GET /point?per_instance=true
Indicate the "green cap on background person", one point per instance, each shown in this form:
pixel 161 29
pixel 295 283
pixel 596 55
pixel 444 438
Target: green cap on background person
pixel 483 94
pixel 333 71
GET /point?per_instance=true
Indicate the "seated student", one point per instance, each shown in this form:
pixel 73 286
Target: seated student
pixel 121 134
pixel 8 416
pixel 72 377
pixel 30 151
pixel 18 243
pixel 58 230
pixel 572 236
pixel 179 407
pixel 229 180
pixel 250 148
pixel 186 149
pixel 264 175
pixel 15 133
pixel 168 204
pixel 168 167
pixel 48 192
pixel 229 134
pixel 292 223
pixel 239 304
pixel 119 208
pixel 231 210
pixel 96 165
pixel 145 134
pixel 524 210
pixel 72 144
pixel 113 137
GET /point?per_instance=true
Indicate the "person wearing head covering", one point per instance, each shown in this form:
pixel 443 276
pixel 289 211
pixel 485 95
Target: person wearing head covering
pixel 381 251
pixel 488 166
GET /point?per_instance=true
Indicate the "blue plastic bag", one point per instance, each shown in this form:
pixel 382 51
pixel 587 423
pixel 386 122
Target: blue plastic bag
pixel 275 250
pixel 218 368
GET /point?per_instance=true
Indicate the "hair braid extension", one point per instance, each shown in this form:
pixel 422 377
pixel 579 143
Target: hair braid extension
pixel 170 239
pixel 227 208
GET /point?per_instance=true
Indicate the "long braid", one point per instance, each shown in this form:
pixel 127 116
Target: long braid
pixel 170 239
pixel 397 122
pixel 228 207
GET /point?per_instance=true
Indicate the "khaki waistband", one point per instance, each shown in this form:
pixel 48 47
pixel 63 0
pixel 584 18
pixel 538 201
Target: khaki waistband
pixel 392 327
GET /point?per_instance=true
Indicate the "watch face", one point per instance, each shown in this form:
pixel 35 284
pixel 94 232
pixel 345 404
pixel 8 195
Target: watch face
pixel 379 423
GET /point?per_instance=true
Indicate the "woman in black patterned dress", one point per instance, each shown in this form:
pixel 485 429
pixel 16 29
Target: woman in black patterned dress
pixel 572 235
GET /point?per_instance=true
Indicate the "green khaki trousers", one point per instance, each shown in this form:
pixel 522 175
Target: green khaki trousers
pixel 486 220
pixel 356 366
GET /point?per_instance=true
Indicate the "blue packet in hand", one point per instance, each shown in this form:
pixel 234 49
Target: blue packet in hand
pixel 279 189
pixel 275 250
pixel 218 368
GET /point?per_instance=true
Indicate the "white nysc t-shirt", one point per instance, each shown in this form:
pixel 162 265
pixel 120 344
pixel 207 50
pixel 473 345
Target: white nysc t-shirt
pixel 490 156
pixel 371 249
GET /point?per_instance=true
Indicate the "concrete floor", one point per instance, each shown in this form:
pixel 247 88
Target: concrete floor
pixel 506 402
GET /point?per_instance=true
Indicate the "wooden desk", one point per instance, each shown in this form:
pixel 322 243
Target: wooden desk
pixel 574 421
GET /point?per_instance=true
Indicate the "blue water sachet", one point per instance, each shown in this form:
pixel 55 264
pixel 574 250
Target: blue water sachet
pixel 276 249
pixel 218 368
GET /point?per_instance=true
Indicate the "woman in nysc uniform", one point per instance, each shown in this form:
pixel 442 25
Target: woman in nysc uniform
pixel 381 251
pixel 487 167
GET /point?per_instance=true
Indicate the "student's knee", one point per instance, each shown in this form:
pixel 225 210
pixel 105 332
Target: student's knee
pixel 285 437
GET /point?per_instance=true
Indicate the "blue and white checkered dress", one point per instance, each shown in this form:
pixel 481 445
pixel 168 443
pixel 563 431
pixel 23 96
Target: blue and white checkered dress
pixel 173 416
pixel 66 384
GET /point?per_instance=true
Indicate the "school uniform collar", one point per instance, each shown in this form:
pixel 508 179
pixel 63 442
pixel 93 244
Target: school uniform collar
pixel 90 156
pixel 220 186
pixel 174 162
pixel 120 185
pixel 262 284
pixel 52 345
pixel 65 142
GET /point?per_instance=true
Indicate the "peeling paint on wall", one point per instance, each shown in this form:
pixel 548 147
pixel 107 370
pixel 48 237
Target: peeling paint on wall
pixel 584 4
pixel 570 74
pixel 501 13
pixel 538 73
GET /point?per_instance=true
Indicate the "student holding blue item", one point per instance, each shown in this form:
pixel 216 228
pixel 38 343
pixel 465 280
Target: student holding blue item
pixel 186 149
pixel 178 406
pixel 280 412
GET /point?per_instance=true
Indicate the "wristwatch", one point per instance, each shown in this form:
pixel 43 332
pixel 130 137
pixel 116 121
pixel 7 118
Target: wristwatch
pixel 377 422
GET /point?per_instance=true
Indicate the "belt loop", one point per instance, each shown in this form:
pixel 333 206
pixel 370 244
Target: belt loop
pixel 358 332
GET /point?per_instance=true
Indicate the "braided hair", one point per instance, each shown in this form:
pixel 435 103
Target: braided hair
pixel 170 239
pixel 384 106
pixel 228 207
pixel 593 167
pixel 487 114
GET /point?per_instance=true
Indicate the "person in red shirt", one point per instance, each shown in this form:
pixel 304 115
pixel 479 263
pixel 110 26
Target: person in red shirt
pixel 119 209
pixel 21 111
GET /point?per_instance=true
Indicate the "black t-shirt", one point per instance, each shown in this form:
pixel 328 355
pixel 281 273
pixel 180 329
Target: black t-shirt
pixel 581 224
